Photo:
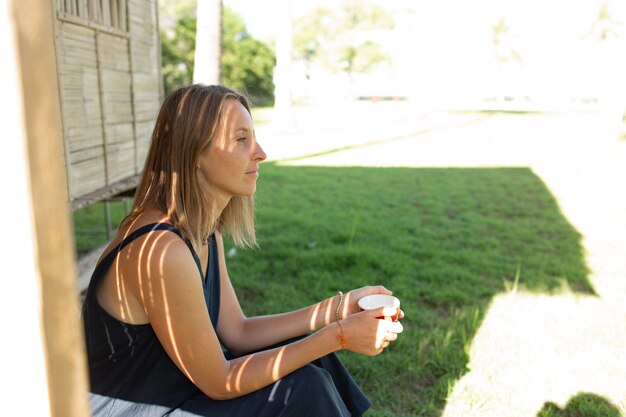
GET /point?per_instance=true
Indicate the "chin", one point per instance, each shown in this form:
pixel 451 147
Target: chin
pixel 246 193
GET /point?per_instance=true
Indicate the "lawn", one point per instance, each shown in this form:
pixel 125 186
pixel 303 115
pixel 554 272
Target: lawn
pixel 444 240
pixel 89 225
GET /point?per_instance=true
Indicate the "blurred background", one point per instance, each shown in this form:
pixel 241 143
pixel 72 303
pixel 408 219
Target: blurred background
pixel 533 55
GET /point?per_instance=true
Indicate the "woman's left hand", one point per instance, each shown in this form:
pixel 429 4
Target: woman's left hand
pixel 351 299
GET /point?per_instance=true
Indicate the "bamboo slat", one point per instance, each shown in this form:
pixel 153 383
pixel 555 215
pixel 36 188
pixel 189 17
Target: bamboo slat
pixel 81 35
pixel 106 13
pixel 145 76
pixel 143 55
pixel 142 153
pixel 123 18
pixel 143 130
pixel 145 50
pixel 142 18
pixel 87 154
pixel 113 52
pixel 148 93
pixel 84 137
pixel 87 176
pixel 80 111
pixel 145 111
pixel 120 159
pixel 82 9
pixel 117 133
pixel 114 13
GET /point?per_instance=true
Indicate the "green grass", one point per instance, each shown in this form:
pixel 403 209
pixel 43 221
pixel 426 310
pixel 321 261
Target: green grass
pixel 581 405
pixel 444 240
pixel 90 229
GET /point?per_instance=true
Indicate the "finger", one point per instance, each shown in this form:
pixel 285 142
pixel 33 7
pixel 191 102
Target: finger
pixel 378 312
pixel 401 315
pixel 395 327
pixel 386 312
pixel 390 312
pixel 382 290
pixel 391 337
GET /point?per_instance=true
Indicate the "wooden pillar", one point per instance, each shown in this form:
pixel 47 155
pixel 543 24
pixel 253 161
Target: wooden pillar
pixel 208 54
pixel 42 352
pixel 282 119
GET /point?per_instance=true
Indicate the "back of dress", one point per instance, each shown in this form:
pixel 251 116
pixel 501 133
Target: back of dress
pixel 130 372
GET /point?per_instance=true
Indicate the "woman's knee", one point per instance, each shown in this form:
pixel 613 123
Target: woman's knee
pixel 312 390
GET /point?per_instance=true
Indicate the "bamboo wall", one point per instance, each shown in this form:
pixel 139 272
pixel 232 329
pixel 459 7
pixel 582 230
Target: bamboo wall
pixel 108 57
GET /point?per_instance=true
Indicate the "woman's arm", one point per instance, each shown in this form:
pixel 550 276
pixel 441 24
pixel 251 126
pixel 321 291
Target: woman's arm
pixel 241 334
pixel 168 286
pixel 259 332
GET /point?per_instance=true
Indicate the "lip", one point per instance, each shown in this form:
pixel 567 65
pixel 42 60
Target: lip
pixel 255 172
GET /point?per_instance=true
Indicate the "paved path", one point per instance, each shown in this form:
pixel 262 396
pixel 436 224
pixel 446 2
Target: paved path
pixel 530 349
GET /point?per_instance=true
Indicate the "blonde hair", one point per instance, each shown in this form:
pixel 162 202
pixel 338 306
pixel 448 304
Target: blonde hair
pixel 186 124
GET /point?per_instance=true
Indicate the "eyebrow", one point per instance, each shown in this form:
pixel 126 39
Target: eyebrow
pixel 245 130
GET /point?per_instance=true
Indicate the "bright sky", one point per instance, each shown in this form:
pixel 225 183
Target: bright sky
pixel 444 48
pixel 258 17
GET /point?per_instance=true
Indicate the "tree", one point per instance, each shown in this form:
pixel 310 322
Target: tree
pixel 604 27
pixel 502 43
pixel 603 39
pixel 342 39
pixel 246 63
pixel 361 59
pixel 177 49
pixel 314 30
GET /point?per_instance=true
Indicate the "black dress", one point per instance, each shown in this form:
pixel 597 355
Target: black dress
pixel 132 375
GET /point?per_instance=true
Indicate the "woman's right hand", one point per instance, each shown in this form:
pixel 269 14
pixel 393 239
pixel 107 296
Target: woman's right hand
pixel 367 334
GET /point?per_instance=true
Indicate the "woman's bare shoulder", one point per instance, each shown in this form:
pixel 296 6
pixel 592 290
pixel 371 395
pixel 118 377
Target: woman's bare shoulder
pixel 148 260
pixel 156 246
pixel 142 220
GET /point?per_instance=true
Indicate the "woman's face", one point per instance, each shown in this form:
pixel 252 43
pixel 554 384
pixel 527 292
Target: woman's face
pixel 229 166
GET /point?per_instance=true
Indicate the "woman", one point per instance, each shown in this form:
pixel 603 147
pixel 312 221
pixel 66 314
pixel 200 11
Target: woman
pixel 165 332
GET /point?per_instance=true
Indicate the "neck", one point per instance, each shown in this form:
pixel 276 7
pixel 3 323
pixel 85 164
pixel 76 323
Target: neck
pixel 215 206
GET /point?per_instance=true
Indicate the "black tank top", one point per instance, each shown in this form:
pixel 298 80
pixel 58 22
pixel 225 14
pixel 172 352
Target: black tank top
pixel 128 368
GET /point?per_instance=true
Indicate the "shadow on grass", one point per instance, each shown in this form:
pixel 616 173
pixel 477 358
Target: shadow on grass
pixel 444 240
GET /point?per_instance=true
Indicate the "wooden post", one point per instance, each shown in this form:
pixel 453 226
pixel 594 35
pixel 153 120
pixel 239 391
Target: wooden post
pixel 208 54
pixel 45 359
pixel 282 118
pixel 107 219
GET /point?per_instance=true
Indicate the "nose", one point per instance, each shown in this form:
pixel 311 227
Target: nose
pixel 259 153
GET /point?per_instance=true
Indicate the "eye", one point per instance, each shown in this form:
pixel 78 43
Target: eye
pixel 242 139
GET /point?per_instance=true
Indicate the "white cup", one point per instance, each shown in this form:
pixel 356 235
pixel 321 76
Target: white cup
pixel 374 301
